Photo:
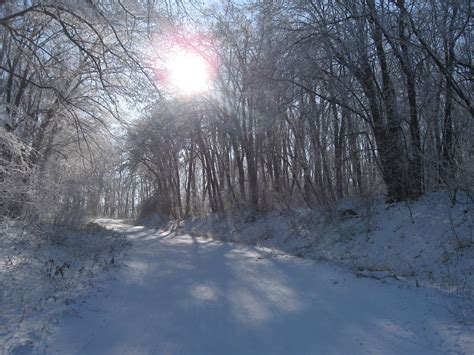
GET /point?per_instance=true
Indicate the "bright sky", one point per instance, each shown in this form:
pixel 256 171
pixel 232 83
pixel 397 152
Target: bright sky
pixel 185 64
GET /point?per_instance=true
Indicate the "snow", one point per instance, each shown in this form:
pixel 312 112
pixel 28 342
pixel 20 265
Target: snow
pixel 45 273
pixel 180 294
pixel 390 280
pixel 430 241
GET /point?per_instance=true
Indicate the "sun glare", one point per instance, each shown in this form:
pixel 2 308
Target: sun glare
pixel 188 72
pixel 185 64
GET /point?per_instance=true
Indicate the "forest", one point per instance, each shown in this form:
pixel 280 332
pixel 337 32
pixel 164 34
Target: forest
pixel 182 110
pixel 311 102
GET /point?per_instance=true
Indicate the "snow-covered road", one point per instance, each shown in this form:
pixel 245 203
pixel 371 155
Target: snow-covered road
pixel 182 295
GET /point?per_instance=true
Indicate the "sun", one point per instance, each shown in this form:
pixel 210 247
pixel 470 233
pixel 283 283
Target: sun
pixel 188 72
pixel 185 64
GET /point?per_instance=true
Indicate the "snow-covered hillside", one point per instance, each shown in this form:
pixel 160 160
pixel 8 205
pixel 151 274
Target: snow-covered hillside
pixel 429 242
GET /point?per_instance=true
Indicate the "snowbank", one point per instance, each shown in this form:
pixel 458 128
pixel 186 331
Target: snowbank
pixel 429 242
pixel 44 272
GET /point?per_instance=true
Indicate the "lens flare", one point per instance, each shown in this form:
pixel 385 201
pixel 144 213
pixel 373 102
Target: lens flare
pixel 188 72
pixel 185 65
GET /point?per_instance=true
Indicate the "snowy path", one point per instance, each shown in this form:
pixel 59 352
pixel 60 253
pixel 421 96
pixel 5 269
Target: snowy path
pixel 181 295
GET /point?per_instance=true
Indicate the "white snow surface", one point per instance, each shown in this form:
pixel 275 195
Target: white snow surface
pixel 181 294
pixel 429 242
pixel 46 272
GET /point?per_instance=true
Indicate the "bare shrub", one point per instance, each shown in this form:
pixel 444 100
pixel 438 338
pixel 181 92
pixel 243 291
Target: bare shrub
pixel 15 174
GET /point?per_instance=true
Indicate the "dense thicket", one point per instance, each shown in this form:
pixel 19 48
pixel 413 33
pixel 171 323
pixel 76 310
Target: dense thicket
pixel 314 101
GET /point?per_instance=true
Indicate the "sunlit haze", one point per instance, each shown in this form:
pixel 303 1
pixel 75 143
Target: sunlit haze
pixel 185 65
pixel 188 72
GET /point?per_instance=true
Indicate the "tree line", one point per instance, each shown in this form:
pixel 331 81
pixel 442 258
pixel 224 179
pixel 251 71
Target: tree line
pixel 314 101
pixel 317 101
pixel 64 68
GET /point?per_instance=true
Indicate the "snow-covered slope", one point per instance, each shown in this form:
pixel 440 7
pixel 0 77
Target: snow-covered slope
pixel 45 272
pixel 429 242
